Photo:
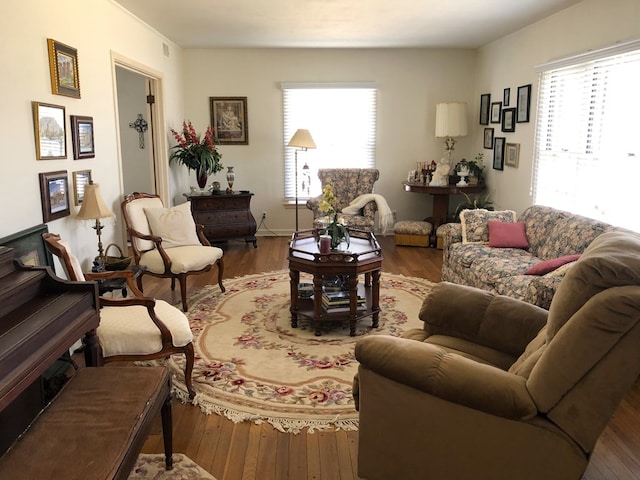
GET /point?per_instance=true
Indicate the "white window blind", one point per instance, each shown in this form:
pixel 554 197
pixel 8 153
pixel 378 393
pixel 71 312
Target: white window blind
pixel 587 144
pixel 342 121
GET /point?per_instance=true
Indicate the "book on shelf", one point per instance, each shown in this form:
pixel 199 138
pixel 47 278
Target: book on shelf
pixel 335 300
pixel 343 308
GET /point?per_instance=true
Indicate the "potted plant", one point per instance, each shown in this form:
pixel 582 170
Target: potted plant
pixel 476 169
pixel 480 201
pixel 198 155
pixel 335 229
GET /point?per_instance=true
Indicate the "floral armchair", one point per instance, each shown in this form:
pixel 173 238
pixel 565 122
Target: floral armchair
pixel 348 184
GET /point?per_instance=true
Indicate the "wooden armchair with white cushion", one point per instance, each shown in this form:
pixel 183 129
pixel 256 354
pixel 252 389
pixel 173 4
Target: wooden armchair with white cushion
pixel 132 328
pixel 167 241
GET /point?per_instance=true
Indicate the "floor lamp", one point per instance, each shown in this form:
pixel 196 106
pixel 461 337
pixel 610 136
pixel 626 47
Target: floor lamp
pixel 301 140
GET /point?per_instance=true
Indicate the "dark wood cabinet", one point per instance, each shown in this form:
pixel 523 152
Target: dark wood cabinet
pixel 225 216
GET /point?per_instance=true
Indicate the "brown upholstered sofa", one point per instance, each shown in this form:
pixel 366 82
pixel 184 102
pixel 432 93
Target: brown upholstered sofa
pixel 496 388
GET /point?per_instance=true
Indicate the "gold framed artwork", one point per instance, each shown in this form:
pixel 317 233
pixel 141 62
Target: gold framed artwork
pixel 63 67
pixel 229 120
pixel 50 131
pixel 82 136
pixel 81 179
pixel 512 154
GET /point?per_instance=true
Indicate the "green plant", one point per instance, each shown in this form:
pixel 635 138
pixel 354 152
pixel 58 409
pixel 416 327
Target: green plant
pixel 201 156
pixel 336 230
pixel 479 201
pixel 476 167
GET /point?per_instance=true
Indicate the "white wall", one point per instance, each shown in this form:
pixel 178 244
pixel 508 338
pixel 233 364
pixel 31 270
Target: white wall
pixel 410 81
pixel 510 62
pixel 95 31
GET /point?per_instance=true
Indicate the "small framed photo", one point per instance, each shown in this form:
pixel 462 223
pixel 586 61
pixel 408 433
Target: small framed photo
pixel 82 136
pixel 81 179
pixel 524 103
pixel 512 154
pixel 54 192
pixel 496 111
pixel 229 120
pixel 485 106
pixel 498 153
pixel 508 119
pixel 50 131
pixel 506 97
pixel 63 66
pixel 488 138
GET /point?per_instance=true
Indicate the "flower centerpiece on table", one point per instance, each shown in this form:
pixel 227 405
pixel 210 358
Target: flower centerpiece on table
pixel 336 230
pixel 201 156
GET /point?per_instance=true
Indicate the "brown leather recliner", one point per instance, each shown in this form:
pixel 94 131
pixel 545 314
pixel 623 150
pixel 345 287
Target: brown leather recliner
pixel 494 388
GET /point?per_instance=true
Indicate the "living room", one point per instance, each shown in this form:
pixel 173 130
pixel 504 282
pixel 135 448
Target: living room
pixel 411 82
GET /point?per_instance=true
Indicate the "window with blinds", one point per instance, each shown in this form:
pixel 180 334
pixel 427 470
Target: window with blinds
pixel 587 143
pixel 342 121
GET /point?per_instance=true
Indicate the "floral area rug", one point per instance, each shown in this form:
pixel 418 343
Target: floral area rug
pixel 251 365
pixel 151 467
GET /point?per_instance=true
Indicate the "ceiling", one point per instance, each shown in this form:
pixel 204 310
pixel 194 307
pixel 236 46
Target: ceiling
pixel 339 23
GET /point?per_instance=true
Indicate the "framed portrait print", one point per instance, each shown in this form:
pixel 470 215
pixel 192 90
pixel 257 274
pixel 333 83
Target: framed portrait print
pixel 506 97
pixel 512 154
pixel 50 131
pixel 498 153
pixel 488 138
pixel 54 192
pixel 524 103
pixel 496 111
pixel 82 136
pixel 229 120
pixel 508 119
pixel 81 179
pixel 63 67
pixel 485 105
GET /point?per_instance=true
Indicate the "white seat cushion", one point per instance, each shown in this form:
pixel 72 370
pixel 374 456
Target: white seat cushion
pixel 183 259
pixel 130 330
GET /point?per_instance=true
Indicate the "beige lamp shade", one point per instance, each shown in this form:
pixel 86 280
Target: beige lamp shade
pixel 93 206
pixel 302 139
pixel 451 120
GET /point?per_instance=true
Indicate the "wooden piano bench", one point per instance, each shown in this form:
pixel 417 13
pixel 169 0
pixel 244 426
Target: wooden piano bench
pixel 95 427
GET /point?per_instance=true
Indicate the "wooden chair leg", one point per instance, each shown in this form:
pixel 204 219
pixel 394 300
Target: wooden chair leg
pixel 173 283
pixel 188 369
pixel 220 271
pixel 183 291
pixel 167 431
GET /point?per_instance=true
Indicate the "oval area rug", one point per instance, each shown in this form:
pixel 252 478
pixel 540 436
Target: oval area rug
pixel 251 365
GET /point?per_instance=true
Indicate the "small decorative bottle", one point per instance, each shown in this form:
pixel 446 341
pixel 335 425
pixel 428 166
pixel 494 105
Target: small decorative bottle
pixel 231 177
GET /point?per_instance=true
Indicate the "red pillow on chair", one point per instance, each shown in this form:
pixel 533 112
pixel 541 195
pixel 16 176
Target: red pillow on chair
pixel 507 235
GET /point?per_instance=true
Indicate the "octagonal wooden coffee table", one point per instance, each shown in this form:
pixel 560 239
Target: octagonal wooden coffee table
pixel 363 256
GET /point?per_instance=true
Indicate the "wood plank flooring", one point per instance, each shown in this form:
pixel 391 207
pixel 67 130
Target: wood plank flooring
pixel 246 451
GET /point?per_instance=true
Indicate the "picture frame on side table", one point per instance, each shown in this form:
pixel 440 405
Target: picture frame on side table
pixel 54 192
pixel 229 120
pixel 498 153
pixel 496 112
pixel 485 108
pixel 512 154
pixel 82 136
pixel 81 179
pixel 50 131
pixel 488 138
pixel 523 104
pixel 508 119
pixel 63 67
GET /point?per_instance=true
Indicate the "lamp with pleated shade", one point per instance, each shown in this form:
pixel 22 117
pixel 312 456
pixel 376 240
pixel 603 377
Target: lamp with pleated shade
pixel 94 208
pixel 451 122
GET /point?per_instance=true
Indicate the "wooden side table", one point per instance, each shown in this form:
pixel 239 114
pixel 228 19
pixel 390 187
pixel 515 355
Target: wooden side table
pixel 225 216
pixel 441 198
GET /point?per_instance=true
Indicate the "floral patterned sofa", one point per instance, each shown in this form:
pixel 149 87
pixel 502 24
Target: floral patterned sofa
pixel 551 235
pixel 348 184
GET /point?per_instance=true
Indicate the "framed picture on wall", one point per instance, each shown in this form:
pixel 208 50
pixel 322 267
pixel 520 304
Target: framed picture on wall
pixel 485 106
pixel 229 120
pixel 496 110
pixel 81 179
pixel 50 131
pixel 82 136
pixel 512 154
pixel 524 103
pixel 63 67
pixel 488 138
pixel 54 193
pixel 506 97
pixel 498 153
pixel 508 119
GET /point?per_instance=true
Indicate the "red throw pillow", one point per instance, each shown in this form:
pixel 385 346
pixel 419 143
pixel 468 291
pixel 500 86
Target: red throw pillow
pixel 546 266
pixel 507 235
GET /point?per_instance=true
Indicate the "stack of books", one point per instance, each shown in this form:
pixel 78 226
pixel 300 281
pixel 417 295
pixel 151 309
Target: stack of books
pixel 339 301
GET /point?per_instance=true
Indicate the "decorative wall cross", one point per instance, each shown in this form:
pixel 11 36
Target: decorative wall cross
pixel 141 126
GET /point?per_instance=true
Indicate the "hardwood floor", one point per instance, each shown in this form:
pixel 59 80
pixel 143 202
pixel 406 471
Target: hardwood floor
pixel 247 451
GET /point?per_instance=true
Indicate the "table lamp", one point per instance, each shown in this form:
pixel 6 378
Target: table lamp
pixel 451 122
pixel 302 140
pixel 94 208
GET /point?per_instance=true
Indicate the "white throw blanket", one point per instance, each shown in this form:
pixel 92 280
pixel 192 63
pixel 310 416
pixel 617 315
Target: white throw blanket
pixel 385 215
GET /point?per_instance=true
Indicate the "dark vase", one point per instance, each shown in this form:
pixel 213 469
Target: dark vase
pixel 201 178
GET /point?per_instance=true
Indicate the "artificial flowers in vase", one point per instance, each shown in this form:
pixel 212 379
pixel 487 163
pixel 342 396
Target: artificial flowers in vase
pixel 336 230
pixel 201 156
